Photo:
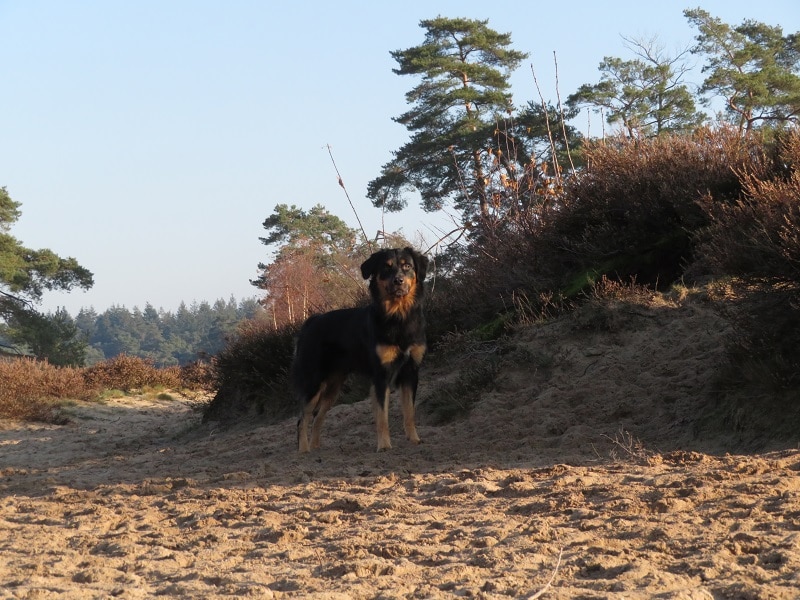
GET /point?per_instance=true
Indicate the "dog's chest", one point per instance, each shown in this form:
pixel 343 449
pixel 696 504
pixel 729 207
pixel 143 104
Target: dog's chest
pixel 389 354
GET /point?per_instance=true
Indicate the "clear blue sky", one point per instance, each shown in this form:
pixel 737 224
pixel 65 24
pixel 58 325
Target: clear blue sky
pixel 150 139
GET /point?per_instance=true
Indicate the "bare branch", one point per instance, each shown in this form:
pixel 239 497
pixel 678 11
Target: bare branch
pixel 355 212
pixel 561 115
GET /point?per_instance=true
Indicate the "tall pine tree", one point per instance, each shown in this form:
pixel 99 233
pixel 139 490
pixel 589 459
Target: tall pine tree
pixel 460 106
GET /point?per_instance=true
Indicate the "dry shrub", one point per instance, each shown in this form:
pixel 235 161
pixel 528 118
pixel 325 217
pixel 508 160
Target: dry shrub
pixel 129 373
pixel 32 389
pixel 252 374
pixel 198 376
pixel 634 212
pixel 758 235
pixel 29 389
pixel 756 240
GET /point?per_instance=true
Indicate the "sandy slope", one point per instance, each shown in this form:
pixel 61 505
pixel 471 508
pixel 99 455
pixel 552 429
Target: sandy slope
pixel 582 474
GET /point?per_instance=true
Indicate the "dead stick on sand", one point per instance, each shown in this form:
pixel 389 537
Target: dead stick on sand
pixel 552 577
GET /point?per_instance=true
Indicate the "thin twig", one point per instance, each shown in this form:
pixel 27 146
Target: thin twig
pixel 355 212
pixel 561 114
pixel 14 298
pixel 460 231
pixel 549 584
pixel 460 178
pixel 547 122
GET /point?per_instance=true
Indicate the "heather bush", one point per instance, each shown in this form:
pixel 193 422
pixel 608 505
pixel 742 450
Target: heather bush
pixel 197 376
pixel 129 373
pixel 756 241
pixel 634 213
pixel 758 234
pixel 252 373
pixel 29 388
pixel 33 390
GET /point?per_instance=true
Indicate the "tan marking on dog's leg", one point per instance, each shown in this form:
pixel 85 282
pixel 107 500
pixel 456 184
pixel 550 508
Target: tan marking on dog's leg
pixel 407 403
pixel 417 351
pixel 302 426
pixel 325 404
pixel 380 409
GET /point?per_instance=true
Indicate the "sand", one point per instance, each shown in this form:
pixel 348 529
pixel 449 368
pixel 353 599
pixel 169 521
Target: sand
pixel 583 474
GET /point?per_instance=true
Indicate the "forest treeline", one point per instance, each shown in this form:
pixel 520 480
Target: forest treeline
pixel 166 338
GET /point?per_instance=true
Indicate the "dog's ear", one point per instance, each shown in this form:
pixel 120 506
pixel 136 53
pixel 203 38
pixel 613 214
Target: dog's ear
pixel 420 263
pixel 369 266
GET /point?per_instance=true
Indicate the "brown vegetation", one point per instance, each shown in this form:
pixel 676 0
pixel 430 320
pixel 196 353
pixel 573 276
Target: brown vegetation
pixel 633 213
pixel 301 284
pixel 252 373
pixel 33 390
pixel 30 388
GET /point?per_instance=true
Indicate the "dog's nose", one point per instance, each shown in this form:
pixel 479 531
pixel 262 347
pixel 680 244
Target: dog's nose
pixel 399 279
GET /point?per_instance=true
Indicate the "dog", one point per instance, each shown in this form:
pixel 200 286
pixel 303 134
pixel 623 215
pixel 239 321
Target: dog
pixel 384 340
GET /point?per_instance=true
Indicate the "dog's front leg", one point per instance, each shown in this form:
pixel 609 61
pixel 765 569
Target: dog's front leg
pixel 407 403
pixel 302 434
pixel 380 408
pixel 407 381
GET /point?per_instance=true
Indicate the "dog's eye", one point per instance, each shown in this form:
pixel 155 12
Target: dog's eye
pixel 406 267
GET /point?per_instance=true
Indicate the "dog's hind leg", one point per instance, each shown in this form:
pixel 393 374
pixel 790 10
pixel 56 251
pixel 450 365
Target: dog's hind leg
pixel 309 410
pixel 380 408
pixel 326 400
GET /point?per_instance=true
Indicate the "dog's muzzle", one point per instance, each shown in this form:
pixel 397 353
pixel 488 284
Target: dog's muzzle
pixel 398 289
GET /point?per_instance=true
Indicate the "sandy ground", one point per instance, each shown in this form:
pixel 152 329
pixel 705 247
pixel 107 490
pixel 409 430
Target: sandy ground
pixel 582 476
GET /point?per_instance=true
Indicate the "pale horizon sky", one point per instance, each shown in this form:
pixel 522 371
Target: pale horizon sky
pixel 150 139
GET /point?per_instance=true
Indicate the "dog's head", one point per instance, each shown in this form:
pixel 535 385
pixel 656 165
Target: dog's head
pixel 396 278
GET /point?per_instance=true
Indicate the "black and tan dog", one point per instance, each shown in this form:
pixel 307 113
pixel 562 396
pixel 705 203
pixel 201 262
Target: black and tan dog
pixel 384 340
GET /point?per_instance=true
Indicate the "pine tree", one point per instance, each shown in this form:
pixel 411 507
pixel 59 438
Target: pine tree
pixel 646 95
pixel 753 66
pixel 460 106
pixel 25 274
